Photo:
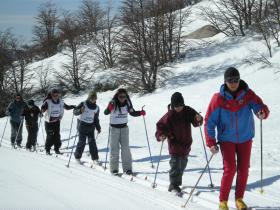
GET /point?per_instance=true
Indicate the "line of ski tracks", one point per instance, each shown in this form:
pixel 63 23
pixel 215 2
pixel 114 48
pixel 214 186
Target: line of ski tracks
pixel 201 199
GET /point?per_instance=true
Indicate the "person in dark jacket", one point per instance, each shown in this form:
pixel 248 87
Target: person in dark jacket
pixel 231 113
pixel 175 125
pixel 119 108
pixel 15 110
pixel 54 108
pixel 31 112
pixel 88 122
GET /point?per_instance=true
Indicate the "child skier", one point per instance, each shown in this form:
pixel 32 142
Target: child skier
pixel 31 113
pixel 175 125
pixel 54 108
pixel 119 108
pixel 88 122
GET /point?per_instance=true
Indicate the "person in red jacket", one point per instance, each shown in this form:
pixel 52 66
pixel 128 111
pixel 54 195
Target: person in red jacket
pixel 175 125
pixel 230 112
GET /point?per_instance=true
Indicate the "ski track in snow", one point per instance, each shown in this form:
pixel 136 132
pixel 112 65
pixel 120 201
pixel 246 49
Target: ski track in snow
pixel 139 187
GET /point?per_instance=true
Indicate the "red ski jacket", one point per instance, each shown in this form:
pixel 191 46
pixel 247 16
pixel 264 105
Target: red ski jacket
pixel 176 126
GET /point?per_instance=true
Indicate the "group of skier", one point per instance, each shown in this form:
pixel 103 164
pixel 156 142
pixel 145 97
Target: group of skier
pixel 230 113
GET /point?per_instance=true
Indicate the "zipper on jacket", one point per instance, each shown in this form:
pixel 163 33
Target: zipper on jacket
pixel 237 135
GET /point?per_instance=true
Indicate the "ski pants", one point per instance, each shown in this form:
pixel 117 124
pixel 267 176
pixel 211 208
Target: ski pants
pixel 53 135
pixel 32 135
pixel 16 132
pixel 119 139
pixel 177 167
pixel 230 151
pixel 86 132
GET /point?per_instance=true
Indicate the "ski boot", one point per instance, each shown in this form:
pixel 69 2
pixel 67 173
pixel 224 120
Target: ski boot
pixel 240 205
pixel 223 205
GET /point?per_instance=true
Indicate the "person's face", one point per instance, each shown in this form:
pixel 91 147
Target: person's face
pixel 17 98
pixel 232 84
pixel 121 97
pixel 178 107
pixel 55 96
pixel 93 100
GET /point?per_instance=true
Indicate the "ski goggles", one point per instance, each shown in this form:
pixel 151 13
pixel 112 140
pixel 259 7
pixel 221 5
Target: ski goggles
pixel 233 80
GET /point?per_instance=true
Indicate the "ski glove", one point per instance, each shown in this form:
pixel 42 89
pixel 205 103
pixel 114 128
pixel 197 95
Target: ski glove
pixel 263 113
pixel 111 106
pixel 214 149
pixel 72 106
pixel 162 137
pixel 142 113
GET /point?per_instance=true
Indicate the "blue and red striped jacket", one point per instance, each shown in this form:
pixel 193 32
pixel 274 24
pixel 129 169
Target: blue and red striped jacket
pixel 232 116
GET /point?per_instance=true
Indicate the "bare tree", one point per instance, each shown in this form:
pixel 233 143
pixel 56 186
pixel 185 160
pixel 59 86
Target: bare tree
pixel 151 38
pixel 6 60
pixel 43 73
pixel 231 17
pixel 90 17
pixel 20 73
pixel 77 73
pixel 106 40
pixel 45 29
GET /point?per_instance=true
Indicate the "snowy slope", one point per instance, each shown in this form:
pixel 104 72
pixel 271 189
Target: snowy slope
pixel 198 77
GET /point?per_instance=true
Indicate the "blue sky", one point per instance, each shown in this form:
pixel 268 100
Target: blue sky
pixel 19 14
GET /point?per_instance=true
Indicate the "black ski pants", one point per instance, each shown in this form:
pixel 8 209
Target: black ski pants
pixel 53 135
pixel 178 165
pixel 86 131
pixel 32 135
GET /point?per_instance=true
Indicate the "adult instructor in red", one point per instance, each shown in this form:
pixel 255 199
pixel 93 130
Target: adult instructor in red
pixel 231 113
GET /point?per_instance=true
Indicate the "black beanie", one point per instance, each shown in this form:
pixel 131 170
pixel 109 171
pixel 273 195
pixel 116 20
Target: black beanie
pixel 177 99
pixel 231 72
pixel 30 102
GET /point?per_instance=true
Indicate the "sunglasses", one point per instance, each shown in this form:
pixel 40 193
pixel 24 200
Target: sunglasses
pixel 233 80
pixel 178 105
pixel 55 95
pixel 122 96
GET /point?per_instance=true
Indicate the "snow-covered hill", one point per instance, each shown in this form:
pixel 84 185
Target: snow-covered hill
pixel 35 181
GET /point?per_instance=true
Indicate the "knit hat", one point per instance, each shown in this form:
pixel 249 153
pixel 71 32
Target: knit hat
pixel 231 73
pixel 177 99
pixel 92 94
pixel 30 102
pixel 54 91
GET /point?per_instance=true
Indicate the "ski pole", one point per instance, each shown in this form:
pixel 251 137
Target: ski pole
pixel 154 183
pixel 42 132
pixel 261 133
pixel 4 130
pixel 40 124
pixel 107 147
pixel 148 140
pixel 20 127
pixel 184 205
pixel 78 127
pixel 70 131
pixel 206 157
pixel 68 164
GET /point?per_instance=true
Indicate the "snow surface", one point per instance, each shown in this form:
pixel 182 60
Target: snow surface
pixel 36 181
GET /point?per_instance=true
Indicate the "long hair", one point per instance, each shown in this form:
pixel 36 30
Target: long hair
pixel 116 100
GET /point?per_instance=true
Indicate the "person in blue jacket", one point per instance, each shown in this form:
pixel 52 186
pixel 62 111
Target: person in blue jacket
pixel 231 113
